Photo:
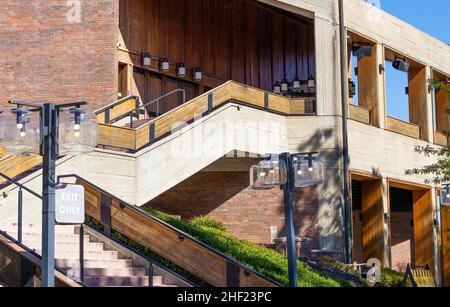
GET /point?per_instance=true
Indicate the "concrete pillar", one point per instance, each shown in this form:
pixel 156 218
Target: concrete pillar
pixel 387 241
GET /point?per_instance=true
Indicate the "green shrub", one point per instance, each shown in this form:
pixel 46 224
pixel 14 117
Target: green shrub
pixel 263 260
pixel 206 221
pixel 389 278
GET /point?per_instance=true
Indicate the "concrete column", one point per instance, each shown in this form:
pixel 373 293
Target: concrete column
pixel 387 240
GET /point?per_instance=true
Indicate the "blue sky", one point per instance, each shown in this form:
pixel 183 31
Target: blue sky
pixel 429 16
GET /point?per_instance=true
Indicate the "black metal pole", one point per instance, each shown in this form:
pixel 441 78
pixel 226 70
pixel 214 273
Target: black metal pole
pixel 19 216
pixel 82 253
pixel 289 219
pixel 346 171
pixel 49 153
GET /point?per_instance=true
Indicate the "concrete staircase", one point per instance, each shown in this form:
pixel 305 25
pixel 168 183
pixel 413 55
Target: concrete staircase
pixel 104 266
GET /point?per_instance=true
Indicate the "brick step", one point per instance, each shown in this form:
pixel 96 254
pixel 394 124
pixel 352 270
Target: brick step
pixel 129 281
pixel 88 255
pixel 94 263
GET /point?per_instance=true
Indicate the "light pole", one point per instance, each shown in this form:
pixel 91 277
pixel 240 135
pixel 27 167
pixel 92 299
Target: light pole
pixel 288 171
pixel 66 127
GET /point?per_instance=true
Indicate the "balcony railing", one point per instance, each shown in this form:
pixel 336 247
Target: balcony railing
pixel 402 127
pixel 440 139
pixel 360 114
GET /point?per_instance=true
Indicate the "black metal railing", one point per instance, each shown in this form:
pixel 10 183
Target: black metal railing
pixel 83 230
pixel 140 112
pixel 107 109
pixel 106 223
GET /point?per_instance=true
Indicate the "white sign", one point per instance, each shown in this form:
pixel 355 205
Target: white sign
pixel 70 205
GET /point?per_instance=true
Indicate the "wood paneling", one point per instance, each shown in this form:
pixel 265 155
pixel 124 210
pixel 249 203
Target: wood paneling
pixel 402 127
pixel 418 111
pixel 368 84
pixel 373 220
pixel 239 40
pixel 168 243
pixel 423 228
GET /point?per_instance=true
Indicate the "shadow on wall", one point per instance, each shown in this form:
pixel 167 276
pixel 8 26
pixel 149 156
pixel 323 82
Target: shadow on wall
pixel 329 217
pixel 254 215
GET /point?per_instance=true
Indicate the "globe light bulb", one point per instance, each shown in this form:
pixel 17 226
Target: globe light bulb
pixel 77 134
pixel 300 172
pixel 22 134
pixel 76 127
pixel 448 195
pixel 310 169
pixel 19 126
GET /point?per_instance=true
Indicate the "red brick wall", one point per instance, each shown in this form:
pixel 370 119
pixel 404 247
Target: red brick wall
pixel 247 213
pixel 402 240
pixel 358 254
pixel 46 57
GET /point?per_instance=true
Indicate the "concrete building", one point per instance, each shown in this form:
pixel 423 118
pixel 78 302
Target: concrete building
pixel 189 153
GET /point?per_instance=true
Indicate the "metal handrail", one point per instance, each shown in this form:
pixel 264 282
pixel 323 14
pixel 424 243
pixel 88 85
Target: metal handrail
pixel 137 112
pixel 115 104
pixel 152 102
pixel 19 185
pixel 137 253
pixel 173 229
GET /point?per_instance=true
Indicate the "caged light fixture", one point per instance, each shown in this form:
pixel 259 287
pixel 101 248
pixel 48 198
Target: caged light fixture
pixel 198 74
pixel 181 70
pixel 146 59
pixel 164 64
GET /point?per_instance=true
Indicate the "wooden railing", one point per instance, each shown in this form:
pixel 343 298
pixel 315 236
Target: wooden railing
pixel 440 139
pixel 181 249
pixel 13 166
pixel 402 127
pixel 117 109
pixel 134 139
pixel 359 113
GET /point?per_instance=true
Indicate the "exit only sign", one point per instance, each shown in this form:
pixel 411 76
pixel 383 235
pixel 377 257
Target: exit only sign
pixel 70 205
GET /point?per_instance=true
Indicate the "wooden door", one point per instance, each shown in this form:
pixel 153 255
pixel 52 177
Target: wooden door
pixel 423 228
pixel 373 220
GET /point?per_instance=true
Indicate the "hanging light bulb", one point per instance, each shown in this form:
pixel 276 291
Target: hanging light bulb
pixel 23 133
pixel 310 171
pixel 76 127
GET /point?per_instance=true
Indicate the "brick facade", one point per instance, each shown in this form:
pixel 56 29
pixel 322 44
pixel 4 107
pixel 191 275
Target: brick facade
pixel 247 213
pixel 358 253
pixel 402 240
pixel 50 51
